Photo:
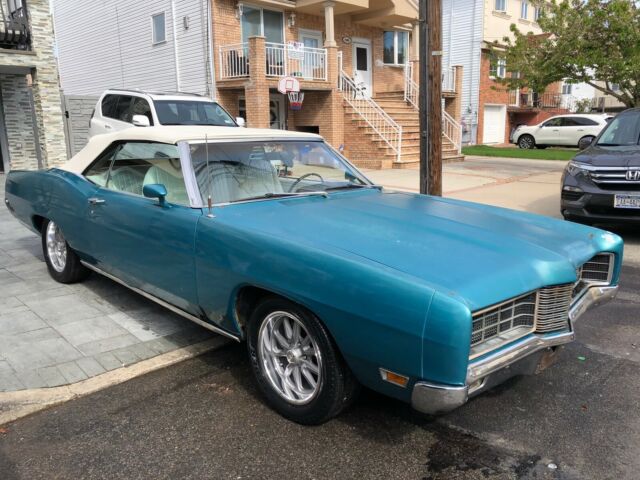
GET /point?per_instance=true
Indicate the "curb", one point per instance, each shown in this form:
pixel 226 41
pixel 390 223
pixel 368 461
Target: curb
pixel 15 405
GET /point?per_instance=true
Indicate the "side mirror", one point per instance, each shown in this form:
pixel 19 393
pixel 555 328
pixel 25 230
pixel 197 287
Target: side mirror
pixel 585 142
pixel 140 121
pixel 240 121
pixel 155 190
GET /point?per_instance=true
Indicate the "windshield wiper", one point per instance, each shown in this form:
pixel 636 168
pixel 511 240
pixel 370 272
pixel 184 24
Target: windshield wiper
pixel 354 185
pixel 282 195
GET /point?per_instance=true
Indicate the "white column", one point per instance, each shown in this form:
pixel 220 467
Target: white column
pixel 415 42
pixel 330 40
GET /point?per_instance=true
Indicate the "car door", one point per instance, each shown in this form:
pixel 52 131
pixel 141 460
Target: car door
pixel 570 131
pixel 549 132
pixel 141 242
pixel 115 114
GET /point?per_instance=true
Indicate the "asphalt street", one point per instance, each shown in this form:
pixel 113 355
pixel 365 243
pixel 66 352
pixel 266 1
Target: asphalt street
pixel 204 418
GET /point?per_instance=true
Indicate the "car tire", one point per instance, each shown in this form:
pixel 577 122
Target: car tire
pixel 526 142
pixel 62 262
pixel 290 349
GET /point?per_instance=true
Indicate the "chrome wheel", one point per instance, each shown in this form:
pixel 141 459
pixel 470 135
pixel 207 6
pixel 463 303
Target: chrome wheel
pixel 56 247
pixel 290 358
pixel 526 142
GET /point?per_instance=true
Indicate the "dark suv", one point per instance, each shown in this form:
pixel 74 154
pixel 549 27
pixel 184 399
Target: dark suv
pixel 602 183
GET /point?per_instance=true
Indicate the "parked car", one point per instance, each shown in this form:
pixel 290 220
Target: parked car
pixel 272 237
pixel 120 109
pixel 561 130
pixel 602 183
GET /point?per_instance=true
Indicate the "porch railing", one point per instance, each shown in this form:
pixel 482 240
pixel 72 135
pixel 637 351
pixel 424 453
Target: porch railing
pixel 449 80
pixel 410 87
pixel 385 126
pixel 14 25
pixel 281 60
pixel 234 60
pixel 535 100
pixel 287 60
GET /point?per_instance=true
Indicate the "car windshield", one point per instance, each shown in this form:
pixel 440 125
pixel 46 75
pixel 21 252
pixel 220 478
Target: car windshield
pixel 237 171
pixel 185 112
pixel 623 130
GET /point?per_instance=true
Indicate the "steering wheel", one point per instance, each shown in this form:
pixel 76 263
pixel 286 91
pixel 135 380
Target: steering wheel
pixel 306 175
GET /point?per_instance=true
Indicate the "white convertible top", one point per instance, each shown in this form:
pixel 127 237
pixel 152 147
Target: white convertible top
pixel 174 134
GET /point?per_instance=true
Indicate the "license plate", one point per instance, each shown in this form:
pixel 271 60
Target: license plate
pixel 626 201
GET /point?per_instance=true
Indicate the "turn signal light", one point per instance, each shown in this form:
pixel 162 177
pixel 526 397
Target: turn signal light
pixel 394 378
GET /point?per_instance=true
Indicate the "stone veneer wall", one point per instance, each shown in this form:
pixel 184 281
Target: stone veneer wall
pixel 18 120
pixel 46 95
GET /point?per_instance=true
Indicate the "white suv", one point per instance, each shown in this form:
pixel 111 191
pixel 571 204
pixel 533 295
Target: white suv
pixel 120 109
pixel 564 130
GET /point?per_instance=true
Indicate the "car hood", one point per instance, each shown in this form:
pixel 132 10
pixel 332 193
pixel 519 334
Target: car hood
pixel 478 253
pixel 610 156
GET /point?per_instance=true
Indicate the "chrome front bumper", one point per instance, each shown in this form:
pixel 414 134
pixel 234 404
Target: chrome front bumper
pixel 522 357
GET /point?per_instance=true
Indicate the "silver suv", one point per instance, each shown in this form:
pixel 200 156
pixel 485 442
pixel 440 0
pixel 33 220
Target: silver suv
pixel 120 109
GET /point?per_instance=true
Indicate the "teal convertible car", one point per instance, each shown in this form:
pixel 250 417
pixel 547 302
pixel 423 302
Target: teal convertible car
pixel 273 238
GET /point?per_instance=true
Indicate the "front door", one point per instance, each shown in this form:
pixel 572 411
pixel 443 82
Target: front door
pixel 277 111
pixel 313 56
pixel 549 132
pixel 145 244
pixel 362 68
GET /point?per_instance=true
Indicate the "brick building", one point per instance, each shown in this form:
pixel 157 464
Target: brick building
pixel 31 121
pixel 354 61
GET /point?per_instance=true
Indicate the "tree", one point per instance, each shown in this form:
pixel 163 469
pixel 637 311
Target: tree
pixel 592 41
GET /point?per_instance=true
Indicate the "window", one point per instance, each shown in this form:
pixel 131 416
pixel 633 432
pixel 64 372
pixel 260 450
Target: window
pixel 396 46
pixel 615 87
pixel 127 167
pixel 623 130
pixel 537 11
pixel 501 5
pixel 117 107
pixel 141 107
pixel 584 122
pixel 498 68
pixel 259 21
pixel 189 112
pixel 567 88
pixel 524 9
pixel 554 122
pixel 236 171
pixel 158 30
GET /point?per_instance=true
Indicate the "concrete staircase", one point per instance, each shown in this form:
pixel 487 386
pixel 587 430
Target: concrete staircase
pixel 379 155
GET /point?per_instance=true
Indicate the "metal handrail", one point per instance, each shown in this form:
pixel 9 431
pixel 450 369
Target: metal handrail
pixel 385 126
pixel 452 131
pixel 305 62
pixel 14 25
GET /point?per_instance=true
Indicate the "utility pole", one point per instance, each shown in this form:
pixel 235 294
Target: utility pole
pixel 430 84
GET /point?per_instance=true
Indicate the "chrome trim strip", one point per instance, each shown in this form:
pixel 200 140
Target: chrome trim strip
pixel 593 296
pixel 518 350
pixel 166 305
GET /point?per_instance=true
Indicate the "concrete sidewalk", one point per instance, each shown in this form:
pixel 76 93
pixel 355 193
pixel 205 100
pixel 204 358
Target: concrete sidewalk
pixel 53 334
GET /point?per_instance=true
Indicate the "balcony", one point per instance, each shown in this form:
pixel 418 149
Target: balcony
pixel 14 25
pixel 281 60
pixel 535 101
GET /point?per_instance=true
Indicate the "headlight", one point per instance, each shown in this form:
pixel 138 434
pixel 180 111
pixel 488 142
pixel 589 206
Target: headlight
pixel 574 168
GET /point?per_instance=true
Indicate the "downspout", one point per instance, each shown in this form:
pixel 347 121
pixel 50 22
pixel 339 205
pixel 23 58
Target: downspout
pixel 212 79
pixel 175 43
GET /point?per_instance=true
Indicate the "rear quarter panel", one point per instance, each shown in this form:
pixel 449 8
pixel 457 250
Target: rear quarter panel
pixel 55 195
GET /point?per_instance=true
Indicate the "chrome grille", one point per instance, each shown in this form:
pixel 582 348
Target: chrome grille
pixel 598 269
pixel 613 178
pixel 553 308
pixel 518 313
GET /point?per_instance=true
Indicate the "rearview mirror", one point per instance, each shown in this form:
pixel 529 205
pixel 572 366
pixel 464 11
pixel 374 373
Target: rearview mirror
pixel 155 190
pixel 140 121
pixel 240 121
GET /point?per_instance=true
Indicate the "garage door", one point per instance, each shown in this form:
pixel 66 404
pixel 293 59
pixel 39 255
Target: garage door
pixel 494 119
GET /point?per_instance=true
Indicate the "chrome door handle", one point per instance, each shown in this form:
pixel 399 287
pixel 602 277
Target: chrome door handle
pixel 96 201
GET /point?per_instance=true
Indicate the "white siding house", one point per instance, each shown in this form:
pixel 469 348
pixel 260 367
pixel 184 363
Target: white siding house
pixel 111 44
pixel 462 35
